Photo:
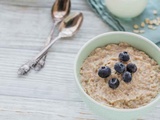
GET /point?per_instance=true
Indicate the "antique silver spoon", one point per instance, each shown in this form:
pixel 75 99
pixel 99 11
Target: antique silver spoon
pixel 68 27
pixel 59 11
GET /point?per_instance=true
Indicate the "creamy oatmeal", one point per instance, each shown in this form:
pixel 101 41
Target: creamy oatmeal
pixel 145 84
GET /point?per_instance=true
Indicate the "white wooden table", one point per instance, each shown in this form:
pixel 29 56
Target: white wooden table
pixel 50 94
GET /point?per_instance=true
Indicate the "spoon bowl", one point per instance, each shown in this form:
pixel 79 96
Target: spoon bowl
pixel 60 9
pixel 70 25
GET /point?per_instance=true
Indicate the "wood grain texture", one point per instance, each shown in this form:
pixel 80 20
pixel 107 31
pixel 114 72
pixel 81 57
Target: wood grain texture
pixel 50 94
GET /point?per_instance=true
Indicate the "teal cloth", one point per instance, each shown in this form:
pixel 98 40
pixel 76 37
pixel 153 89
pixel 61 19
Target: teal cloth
pixel 127 25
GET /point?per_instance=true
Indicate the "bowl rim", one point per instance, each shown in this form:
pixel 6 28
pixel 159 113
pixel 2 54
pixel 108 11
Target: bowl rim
pixel 94 101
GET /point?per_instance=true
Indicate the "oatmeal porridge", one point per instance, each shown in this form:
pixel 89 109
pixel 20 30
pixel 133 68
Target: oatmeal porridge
pixel 120 88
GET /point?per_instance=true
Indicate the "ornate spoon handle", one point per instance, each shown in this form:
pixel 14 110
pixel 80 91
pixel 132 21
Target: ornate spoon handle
pixel 41 62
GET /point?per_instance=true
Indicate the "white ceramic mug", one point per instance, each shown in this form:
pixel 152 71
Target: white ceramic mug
pixel 126 8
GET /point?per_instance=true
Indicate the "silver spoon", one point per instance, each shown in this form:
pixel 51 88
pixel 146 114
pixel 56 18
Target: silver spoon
pixel 68 27
pixel 59 11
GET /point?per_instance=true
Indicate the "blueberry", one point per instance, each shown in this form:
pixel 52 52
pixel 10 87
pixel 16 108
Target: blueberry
pixel 104 72
pixel 124 56
pixel 127 77
pixel 119 67
pixel 131 68
pixel 113 83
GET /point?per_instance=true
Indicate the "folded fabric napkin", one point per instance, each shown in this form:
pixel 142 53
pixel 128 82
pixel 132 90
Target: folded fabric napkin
pixel 127 25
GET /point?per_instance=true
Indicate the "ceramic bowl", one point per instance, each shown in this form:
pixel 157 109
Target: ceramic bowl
pixel 137 41
pixel 126 8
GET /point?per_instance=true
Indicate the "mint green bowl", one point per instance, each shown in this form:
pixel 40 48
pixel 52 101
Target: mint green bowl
pixel 137 41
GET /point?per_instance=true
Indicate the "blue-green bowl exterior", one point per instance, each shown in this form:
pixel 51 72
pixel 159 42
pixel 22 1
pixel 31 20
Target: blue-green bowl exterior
pixel 136 41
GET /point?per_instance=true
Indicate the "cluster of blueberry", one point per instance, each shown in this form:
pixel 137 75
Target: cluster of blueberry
pixel 120 68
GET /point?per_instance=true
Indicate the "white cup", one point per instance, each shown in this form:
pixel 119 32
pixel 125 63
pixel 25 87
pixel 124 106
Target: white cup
pixel 126 8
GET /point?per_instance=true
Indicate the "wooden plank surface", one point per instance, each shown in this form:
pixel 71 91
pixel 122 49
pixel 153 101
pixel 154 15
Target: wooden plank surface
pixel 50 94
